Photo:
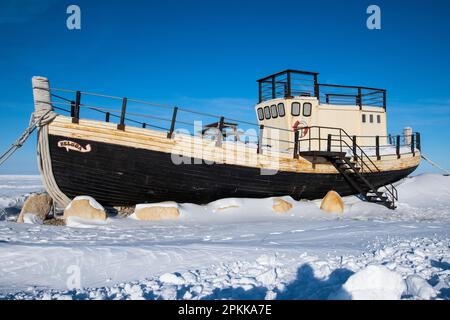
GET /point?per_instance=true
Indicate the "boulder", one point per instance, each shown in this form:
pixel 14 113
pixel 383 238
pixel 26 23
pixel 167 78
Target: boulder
pixel 332 203
pixel 86 208
pixel 225 204
pixel 124 211
pixel 157 211
pixel 36 208
pixel 281 206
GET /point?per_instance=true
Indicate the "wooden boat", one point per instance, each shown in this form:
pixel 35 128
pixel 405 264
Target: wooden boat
pixel 309 138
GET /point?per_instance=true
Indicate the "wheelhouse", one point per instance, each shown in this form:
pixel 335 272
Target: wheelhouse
pixel 293 100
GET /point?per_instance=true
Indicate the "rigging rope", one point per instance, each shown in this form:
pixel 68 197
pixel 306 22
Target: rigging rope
pixel 435 164
pixel 34 122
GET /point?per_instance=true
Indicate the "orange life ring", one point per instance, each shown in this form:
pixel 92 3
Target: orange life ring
pixel 305 130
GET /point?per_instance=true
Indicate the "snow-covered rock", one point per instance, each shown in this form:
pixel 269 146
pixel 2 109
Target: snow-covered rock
pixel 32 218
pixel 419 287
pixel 225 204
pixel 281 206
pixel 86 208
pixel 36 205
pixel 374 282
pixel 157 211
pixel 332 203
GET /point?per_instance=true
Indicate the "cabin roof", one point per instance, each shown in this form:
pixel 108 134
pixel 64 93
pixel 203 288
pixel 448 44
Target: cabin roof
pixel 290 83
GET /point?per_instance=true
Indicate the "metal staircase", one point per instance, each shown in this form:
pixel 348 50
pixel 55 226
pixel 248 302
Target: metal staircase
pixel 355 168
pixel 351 171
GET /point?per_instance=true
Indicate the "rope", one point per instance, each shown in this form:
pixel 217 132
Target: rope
pixel 435 164
pixel 34 122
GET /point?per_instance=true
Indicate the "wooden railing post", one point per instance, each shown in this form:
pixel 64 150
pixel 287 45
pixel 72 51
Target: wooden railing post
pixel 418 146
pixel 260 138
pixel 413 145
pixel 377 147
pixel 316 88
pixel 172 123
pixel 329 143
pixel 359 98
pixel 121 125
pixel 397 146
pixel 288 93
pixel 296 142
pixel 107 117
pixel 76 111
pixel 220 134
pixel 72 109
pixel 355 157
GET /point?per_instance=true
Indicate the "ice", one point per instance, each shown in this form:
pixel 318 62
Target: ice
pixel 236 249
pixel 373 283
pixel 418 287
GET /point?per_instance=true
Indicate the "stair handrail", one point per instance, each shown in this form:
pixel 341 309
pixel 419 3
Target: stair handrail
pixel 392 192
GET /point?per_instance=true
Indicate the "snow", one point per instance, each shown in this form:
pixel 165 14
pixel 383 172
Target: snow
pixel 92 202
pixel 165 204
pixel 374 282
pixel 236 249
pixel 419 287
pixel 32 218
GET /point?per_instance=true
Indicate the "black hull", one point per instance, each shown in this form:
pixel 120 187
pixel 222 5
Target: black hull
pixel 118 176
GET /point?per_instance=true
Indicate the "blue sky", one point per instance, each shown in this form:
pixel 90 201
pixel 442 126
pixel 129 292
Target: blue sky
pixel 208 54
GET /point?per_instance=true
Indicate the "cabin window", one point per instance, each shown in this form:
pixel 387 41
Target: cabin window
pixel 307 109
pixel 267 112
pixel 371 118
pixel 260 114
pixel 274 111
pixel 364 118
pixel 295 109
pixel 378 118
pixel 281 112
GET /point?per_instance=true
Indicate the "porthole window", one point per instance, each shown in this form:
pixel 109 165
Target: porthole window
pixel 267 112
pixel 378 118
pixel 364 118
pixel 371 118
pixel 295 109
pixel 274 111
pixel 281 112
pixel 260 114
pixel 307 109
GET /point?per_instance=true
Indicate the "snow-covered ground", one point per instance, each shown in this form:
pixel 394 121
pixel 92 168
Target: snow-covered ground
pixel 244 252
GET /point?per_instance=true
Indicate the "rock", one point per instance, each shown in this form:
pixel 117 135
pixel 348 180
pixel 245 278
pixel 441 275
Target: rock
pixel 225 204
pixel 55 222
pixel 157 211
pixel 36 205
pixel 124 211
pixel 226 208
pixel 332 203
pixel 375 282
pixel 281 206
pixel 86 208
pixel 419 287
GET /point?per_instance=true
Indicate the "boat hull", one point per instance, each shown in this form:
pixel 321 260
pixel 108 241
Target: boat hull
pixel 117 175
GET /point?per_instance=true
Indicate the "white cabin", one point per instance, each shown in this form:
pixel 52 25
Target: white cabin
pixel 294 100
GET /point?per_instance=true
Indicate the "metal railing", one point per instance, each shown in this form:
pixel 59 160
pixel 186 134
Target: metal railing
pixel 360 156
pixel 290 83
